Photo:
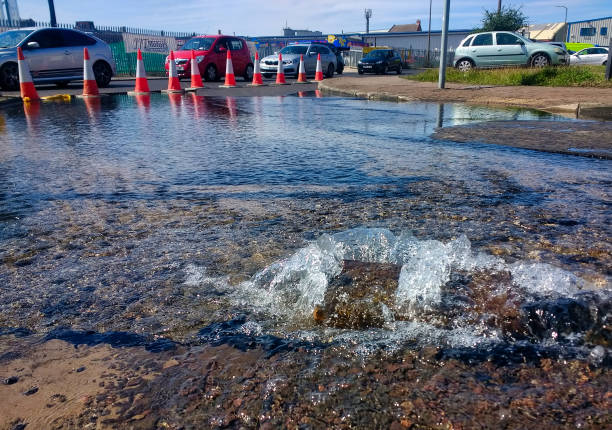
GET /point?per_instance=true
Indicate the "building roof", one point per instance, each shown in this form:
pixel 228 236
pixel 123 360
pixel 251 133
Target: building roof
pixel 544 31
pixel 406 28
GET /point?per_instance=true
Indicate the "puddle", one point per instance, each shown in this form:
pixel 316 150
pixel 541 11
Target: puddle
pixel 292 259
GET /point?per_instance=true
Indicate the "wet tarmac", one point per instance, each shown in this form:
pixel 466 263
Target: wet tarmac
pixel 300 261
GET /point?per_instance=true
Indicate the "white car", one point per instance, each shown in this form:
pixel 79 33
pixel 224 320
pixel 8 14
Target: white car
pixel 598 56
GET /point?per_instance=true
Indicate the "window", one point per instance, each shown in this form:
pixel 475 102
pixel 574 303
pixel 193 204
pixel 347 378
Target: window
pixel 47 39
pixel 483 40
pixel 467 41
pixel 318 49
pixel 599 51
pixel 235 45
pixel 198 44
pixel 587 31
pixel 603 31
pixel 507 39
pixel 73 38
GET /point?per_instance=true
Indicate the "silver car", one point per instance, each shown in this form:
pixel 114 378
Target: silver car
pixel 595 55
pixel 503 48
pixel 291 60
pixel 54 55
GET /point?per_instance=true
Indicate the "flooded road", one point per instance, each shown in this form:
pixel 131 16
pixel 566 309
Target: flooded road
pixel 328 250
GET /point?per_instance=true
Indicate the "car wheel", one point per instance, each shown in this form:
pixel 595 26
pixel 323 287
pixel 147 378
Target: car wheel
pixel 62 84
pixel 385 69
pixel 605 62
pixel 248 73
pixel 267 75
pixel 540 60
pixel 330 71
pixel 210 74
pixel 360 72
pixel 9 77
pixel 103 73
pixel 399 69
pixel 340 70
pixel 465 65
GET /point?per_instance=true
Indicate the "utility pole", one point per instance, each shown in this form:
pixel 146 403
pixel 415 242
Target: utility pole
pixel 429 36
pixel 368 14
pixel 444 45
pixel 499 7
pixel 52 14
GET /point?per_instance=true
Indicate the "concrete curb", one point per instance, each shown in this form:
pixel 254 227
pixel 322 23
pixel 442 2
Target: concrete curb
pixel 574 110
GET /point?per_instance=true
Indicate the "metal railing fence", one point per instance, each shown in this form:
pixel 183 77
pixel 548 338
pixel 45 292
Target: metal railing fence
pixel 415 58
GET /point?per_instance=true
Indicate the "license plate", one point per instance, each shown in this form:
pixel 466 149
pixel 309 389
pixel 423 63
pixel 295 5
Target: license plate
pixel 180 67
pixel 367 67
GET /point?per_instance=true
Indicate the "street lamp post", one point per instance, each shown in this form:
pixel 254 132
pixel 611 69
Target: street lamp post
pixel 52 14
pixel 564 7
pixel 429 36
pixel 444 45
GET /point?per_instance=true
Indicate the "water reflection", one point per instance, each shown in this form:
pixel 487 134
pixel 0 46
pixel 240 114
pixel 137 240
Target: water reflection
pixel 143 101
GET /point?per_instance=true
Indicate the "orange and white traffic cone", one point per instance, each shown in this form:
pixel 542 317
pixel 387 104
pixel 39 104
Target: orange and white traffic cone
pixel 28 92
pixel 257 79
pixel 319 71
pixel 174 85
pixel 90 86
pixel 280 71
pixel 301 72
pixel 196 78
pixel 230 79
pixel 142 85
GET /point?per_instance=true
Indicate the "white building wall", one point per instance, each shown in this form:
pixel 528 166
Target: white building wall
pixel 416 40
pixel 596 24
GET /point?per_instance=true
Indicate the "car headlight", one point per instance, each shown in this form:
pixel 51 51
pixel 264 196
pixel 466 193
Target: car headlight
pixel 379 62
pixel 200 58
pixel 559 51
pixel 359 62
pixel 287 61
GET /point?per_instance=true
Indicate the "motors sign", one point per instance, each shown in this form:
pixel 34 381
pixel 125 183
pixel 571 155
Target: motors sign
pixel 153 44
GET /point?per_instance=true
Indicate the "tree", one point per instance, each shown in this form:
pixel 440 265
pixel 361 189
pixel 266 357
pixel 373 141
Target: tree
pixel 508 19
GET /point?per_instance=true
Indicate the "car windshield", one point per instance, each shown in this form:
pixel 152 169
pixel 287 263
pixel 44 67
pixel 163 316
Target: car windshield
pixel 378 54
pixel 9 39
pixel 294 50
pixel 198 44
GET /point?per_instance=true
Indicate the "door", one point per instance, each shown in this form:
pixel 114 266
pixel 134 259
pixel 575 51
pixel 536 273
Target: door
pixel 310 59
pixel 74 42
pixel 510 49
pixel 51 59
pixel 483 51
pixel 238 58
pixel 595 56
pixel 220 55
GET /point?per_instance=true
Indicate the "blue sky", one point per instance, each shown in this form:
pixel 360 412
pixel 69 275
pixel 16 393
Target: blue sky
pixel 258 18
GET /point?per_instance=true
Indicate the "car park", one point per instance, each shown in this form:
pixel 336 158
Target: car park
pixel 504 48
pixel 211 56
pixel 380 61
pixel 291 60
pixel 54 55
pixel 595 56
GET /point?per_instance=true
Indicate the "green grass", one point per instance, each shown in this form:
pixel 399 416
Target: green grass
pixel 574 76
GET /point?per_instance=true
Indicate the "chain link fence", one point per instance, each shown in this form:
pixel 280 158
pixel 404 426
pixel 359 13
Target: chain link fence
pixel 411 58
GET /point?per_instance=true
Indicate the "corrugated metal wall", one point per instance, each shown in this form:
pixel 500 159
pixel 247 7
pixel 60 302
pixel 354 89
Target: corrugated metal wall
pixel 417 41
pixel 598 38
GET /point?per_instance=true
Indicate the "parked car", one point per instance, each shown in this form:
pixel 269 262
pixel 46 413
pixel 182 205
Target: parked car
pixel 503 48
pixel 380 61
pixel 54 55
pixel 597 55
pixel 291 60
pixel 211 55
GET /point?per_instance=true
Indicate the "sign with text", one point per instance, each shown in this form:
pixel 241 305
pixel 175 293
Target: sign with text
pixel 153 44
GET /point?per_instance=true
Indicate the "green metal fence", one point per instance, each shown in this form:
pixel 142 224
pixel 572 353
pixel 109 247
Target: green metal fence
pixel 126 61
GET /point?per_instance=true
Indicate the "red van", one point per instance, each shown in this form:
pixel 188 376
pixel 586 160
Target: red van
pixel 211 55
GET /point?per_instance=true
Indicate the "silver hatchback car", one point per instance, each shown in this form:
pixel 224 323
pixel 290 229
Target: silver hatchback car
pixel 503 48
pixel 54 55
pixel 291 60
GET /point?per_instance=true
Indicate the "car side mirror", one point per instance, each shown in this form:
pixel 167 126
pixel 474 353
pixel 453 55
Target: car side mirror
pixel 33 45
pixel 222 49
pixel 521 43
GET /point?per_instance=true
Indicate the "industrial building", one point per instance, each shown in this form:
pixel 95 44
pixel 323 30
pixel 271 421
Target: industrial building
pixel 595 31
